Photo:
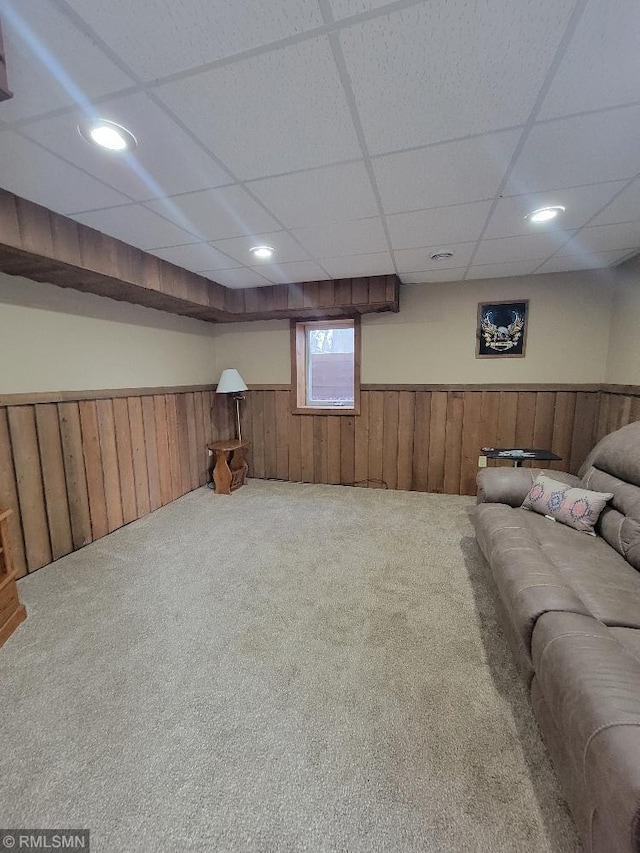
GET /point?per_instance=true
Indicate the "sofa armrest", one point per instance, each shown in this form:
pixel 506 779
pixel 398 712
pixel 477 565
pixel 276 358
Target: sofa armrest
pixel 511 485
pixel 591 684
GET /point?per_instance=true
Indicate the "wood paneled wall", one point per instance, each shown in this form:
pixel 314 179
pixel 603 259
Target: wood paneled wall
pixel 76 469
pixel 425 438
pixel 619 406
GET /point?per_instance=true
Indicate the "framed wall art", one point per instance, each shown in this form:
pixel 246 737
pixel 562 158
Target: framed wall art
pixel 502 329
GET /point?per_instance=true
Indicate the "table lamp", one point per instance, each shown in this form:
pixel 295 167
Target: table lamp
pixel 231 382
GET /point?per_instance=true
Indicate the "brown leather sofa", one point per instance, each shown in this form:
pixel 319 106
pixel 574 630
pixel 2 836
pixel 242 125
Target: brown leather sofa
pixel 570 604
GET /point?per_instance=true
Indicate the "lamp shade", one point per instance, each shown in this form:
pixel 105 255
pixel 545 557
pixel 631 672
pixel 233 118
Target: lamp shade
pixel 230 382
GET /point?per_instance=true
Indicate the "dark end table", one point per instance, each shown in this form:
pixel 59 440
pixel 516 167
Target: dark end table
pixel 518 455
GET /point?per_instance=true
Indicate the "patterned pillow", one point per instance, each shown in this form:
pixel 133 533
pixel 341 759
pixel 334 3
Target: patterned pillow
pixel 577 508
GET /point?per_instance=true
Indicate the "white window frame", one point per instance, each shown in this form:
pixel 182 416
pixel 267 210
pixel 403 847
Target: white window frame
pixel 300 367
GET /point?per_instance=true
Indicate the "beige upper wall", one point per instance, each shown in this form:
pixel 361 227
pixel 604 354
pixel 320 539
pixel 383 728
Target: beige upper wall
pixel 432 339
pixel 623 364
pixel 55 339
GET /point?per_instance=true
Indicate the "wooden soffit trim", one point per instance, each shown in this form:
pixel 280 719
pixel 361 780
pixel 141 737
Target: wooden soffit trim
pixel 45 246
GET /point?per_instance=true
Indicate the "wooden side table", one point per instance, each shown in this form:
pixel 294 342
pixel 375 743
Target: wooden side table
pixel 12 613
pixel 229 476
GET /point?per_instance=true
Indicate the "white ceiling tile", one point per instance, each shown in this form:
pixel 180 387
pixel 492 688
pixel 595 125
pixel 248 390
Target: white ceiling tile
pixel 417 260
pixel 135 225
pixel 216 214
pixel 626 208
pixel 431 276
pixel 286 248
pixel 52 64
pixel 450 68
pixel 597 260
pixel 153 169
pixel 238 278
pixel 356 237
pixel 158 37
pixel 320 195
pixel 29 171
pixel 292 272
pixel 347 8
pixel 377 263
pixel 457 224
pixel 581 203
pixel 581 150
pixel 501 270
pixel 196 257
pixel 274 113
pixel 454 173
pixel 600 67
pixel 604 238
pixel 524 248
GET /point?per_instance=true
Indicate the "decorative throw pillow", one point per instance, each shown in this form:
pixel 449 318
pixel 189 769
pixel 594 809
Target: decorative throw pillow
pixel 578 508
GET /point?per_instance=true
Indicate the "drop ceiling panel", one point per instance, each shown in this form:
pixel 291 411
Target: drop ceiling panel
pixel 431 276
pixel 625 208
pixel 216 214
pixel 347 8
pixel 454 173
pixel 581 150
pixel 136 225
pixel 28 170
pixel 523 248
pixel 581 203
pixel 457 224
pixel 157 38
pixel 603 238
pixel 154 169
pixel 378 263
pixel 237 278
pixel 514 268
pixel 286 248
pixel 450 68
pixel 356 237
pixel 582 262
pixel 288 273
pixel 51 63
pixel 600 67
pixel 196 257
pixel 416 260
pixel 274 113
pixel 320 195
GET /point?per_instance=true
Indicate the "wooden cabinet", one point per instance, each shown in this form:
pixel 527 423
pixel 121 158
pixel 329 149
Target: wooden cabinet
pixel 12 613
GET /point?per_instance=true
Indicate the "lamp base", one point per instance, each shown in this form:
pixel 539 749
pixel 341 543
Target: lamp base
pixel 237 398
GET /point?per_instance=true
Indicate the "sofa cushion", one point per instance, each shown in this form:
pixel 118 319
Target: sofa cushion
pixel 539 567
pixel 629 638
pixel 620 522
pixel 614 466
pixel 511 485
pixel 576 507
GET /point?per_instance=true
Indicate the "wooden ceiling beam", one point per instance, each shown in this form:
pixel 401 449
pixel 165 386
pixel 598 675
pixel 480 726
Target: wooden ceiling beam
pixel 45 246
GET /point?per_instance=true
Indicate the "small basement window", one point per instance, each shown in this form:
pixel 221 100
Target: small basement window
pixel 325 364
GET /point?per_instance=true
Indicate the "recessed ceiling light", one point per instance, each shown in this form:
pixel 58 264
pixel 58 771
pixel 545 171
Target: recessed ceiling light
pixel 262 252
pixel 441 256
pixel 107 134
pixel 545 214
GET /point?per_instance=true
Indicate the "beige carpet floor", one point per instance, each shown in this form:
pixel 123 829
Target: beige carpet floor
pixel 293 668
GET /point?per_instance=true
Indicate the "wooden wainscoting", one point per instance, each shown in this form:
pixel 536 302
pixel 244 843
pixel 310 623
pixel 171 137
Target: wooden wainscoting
pixel 422 438
pixel 619 406
pixel 76 466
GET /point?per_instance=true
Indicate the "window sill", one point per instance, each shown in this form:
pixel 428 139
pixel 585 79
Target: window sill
pixel 338 410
